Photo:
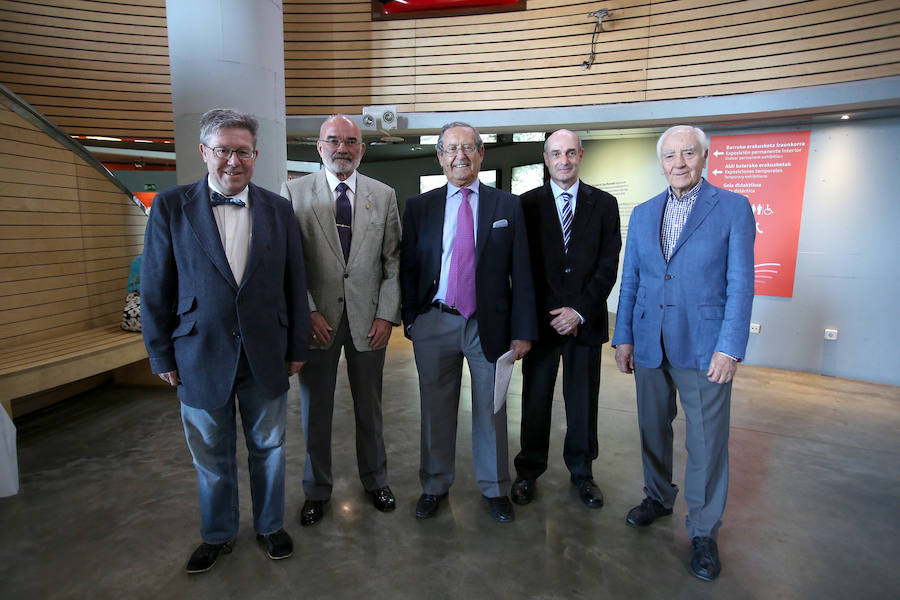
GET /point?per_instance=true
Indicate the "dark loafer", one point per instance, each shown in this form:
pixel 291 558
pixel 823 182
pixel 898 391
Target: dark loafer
pixel 427 505
pixel 278 544
pixel 523 490
pixel 205 556
pixel 590 494
pixel 383 499
pixel 501 509
pixel 646 512
pixel 705 558
pixel 312 512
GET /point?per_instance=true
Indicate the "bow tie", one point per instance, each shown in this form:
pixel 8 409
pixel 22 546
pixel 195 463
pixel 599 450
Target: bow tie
pixel 215 198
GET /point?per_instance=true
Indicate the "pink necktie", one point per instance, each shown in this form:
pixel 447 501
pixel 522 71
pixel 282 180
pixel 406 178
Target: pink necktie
pixel 461 281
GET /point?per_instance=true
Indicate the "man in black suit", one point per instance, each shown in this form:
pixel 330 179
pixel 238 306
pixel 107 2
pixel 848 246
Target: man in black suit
pixel 225 319
pixel 467 293
pixel 573 232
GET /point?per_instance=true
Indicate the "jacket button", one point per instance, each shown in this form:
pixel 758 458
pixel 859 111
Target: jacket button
pixel 668 277
pixel 340 299
pixel 660 305
pixel 568 269
pixel 236 334
pixel 346 275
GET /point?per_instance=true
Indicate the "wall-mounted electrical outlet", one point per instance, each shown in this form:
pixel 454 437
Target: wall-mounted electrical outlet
pixel 755 327
pixel 831 334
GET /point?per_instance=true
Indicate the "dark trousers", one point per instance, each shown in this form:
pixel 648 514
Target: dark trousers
pixel 581 389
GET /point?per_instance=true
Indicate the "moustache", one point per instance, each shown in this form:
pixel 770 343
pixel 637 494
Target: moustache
pixel 342 155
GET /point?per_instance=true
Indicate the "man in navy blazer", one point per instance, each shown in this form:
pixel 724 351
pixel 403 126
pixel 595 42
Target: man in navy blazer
pixel 225 319
pixel 682 325
pixel 440 263
pixel 574 239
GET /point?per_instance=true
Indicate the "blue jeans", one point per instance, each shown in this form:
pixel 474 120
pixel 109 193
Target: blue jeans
pixel 212 437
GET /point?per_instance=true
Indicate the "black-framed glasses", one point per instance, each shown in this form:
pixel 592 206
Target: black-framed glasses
pixel 225 153
pixel 335 142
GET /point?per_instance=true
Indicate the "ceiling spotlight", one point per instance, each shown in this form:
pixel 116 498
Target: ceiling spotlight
pixel 368 121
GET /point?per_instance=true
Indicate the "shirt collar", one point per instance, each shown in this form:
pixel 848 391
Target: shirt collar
pixel 691 195
pixel 452 189
pixel 243 195
pixel 558 190
pixel 333 181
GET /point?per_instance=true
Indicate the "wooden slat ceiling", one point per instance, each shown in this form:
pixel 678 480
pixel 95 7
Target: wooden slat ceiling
pixel 102 66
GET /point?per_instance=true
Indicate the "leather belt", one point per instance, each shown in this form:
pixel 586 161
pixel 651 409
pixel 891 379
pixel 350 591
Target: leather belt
pixel 445 308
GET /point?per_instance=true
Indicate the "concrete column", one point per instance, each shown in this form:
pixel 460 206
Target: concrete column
pixel 228 54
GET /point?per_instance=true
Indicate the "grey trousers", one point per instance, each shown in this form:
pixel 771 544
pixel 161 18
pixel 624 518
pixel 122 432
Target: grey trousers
pixel 317 381
pixel 707 412
pixel 440 342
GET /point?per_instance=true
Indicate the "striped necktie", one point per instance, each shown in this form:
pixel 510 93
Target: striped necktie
pixel 566 219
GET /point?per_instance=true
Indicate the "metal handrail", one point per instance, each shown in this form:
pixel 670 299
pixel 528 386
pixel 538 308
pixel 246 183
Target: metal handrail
pixel 30 114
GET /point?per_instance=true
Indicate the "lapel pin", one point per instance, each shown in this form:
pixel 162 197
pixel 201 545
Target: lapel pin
pixel 368 206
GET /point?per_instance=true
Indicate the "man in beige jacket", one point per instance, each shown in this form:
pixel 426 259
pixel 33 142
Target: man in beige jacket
pixel 350 227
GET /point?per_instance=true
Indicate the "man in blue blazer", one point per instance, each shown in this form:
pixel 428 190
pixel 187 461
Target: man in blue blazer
pixel 467 293
pixel 682 325
pixel 225 319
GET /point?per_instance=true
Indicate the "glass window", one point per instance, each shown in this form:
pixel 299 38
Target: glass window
pixel 527 177
pixel 530 136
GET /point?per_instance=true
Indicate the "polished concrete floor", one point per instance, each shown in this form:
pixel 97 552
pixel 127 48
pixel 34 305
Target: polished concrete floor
pixel 107 506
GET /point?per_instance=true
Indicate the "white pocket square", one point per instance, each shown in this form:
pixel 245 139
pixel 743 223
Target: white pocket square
pixel 500 223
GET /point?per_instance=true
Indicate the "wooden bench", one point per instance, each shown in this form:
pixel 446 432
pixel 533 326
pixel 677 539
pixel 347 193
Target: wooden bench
pixel 32 372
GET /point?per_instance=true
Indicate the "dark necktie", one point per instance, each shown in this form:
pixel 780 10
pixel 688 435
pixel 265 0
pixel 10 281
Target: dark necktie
pixel 567 219
pixel 461 279
pixel 343 216
pixel 215 198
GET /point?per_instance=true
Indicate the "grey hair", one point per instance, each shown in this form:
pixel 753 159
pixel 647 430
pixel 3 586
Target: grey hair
pixel 440 143
pixel 218 119
pixel 701 137
pixel 547 139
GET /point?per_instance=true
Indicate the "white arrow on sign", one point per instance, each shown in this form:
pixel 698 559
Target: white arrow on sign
pixel 717 153
pixel 716 171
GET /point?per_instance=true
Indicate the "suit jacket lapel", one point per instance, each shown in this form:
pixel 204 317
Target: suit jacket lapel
pixel 433 227
pixel 487 205
pixel 262 222
pixel 584 206
pixel 199 214
pixel 704 203
pixel 362 215
pixel 323 208
pixel 552 234
pixel 657 210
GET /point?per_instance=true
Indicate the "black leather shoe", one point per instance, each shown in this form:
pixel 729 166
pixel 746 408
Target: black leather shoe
pixel 383 499
pixel 646 512
pixel 501 509
pixel 590 494
pixel 278 544
pixel 523 490
pixel 312 512
pixel 205 556
pixel 427 505
pixel 705 558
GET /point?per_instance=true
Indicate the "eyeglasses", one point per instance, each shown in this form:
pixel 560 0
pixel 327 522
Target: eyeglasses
pixel 334 142
pixel 467 149
pixel 225 153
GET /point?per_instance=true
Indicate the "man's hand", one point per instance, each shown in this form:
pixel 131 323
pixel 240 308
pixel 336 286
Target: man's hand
pixel 520 348
pixel 170 377
pixel 721 368
pixel 625 358
pixel 565 321
pixel 379 333
pixel 294 366
pixel 321 330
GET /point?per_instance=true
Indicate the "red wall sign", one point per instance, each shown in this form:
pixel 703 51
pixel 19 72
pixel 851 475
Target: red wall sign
pixel 770 169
